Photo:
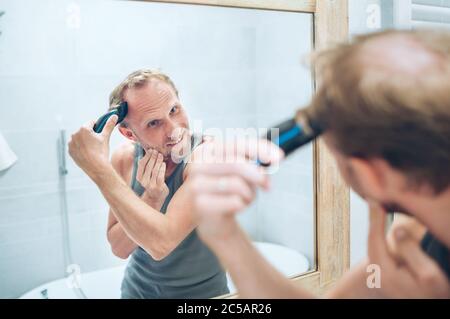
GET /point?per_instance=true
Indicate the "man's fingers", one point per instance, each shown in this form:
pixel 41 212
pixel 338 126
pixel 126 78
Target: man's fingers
pixel 241 150
pixel 414 258
pixel 377 246
pixel 249 172
pixel 161 174
pixel 89 125
pixel 155 169
pixel 219 204
pixel 224 186
pixel 142 165
pixel 149 167
pixel 254 149
pixel 430 277
pixel 109 126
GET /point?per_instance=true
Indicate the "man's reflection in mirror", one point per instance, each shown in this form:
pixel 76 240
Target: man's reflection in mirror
pixel 167 259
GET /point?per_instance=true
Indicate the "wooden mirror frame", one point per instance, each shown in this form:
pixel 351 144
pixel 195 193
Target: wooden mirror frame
pixel 332 196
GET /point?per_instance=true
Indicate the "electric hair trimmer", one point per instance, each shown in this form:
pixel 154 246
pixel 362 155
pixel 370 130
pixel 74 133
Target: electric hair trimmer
pixel 121 111
pixel 294 133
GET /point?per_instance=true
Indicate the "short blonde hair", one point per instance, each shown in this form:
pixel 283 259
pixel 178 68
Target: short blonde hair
pixel 137 79
pixel 402 119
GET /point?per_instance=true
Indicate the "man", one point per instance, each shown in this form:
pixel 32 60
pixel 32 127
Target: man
pixel 150 214
pixel 384 103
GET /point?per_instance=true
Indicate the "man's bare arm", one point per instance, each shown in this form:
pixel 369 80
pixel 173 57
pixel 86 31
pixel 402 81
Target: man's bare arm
pixel 121 245
pixel 256 278
pixel 158 234
pixel 253 276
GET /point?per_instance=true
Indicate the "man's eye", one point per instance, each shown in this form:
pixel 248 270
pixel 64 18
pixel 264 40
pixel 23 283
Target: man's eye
pixel 153 123
pixel 174 109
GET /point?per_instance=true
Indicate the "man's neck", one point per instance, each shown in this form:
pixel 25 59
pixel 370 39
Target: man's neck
pixel 431 210
pixel 170 167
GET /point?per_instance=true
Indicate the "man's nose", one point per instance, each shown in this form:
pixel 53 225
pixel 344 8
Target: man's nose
pixel 170 129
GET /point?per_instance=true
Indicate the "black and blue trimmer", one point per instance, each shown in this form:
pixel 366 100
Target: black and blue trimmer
pixel 121 111
pixel 292 134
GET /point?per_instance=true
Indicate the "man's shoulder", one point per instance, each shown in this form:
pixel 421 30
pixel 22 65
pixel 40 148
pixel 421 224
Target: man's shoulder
pixel 123 156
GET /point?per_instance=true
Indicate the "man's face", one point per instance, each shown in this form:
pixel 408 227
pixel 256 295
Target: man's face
pixel 345 169
pixel 347 172
pixel 156 118
pixel 357 179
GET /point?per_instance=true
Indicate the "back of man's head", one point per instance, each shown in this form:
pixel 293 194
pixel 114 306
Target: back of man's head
pixel 387 95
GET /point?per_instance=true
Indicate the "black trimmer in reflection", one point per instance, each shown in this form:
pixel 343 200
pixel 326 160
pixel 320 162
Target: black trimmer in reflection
pixel 121 111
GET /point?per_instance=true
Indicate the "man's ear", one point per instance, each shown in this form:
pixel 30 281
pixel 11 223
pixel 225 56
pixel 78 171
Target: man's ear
pixel 125 131
pixel 369 176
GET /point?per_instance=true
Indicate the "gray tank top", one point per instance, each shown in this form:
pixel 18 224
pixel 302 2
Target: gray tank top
pixel 191 270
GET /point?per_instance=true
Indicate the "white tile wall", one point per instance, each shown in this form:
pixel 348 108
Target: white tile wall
pixel 361 18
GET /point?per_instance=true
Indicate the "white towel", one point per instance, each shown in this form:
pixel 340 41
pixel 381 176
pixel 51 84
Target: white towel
pixel 7 156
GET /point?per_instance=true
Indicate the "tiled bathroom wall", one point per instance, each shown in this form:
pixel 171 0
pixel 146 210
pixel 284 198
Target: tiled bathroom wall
pixel 58 62
pixel 365 16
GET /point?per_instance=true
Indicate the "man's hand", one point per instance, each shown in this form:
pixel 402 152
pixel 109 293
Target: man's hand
pixel 406 270
pixel 150 174
pixel 90 150
pixel 222 188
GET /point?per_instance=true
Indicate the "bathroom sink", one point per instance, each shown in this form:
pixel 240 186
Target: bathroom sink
pixel 286 260
pixel 105 283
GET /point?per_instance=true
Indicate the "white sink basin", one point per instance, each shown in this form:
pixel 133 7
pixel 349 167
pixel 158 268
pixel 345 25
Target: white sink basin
pixel 105 283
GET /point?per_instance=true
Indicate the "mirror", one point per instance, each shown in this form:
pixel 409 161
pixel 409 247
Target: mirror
pixel 59 61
